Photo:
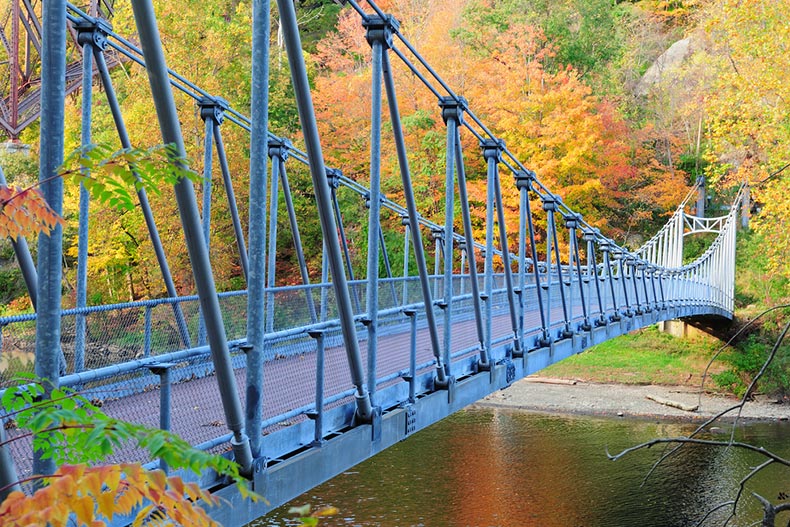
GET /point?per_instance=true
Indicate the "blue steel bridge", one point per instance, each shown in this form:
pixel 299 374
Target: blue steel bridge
pixel 299 383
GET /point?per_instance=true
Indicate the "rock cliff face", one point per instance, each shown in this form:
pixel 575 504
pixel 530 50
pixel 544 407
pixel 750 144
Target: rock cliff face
pixel 665 63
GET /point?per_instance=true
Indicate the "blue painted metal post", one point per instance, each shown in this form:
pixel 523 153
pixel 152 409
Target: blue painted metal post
pixel 206 112
pixel 572 222
pixel 524 181
pixel 442 379
pixel 653 271
pixel 50 246
pixel 378 37
pixel 163 370
pixel 278 152
pixel 438 240
pixel 452 112
pixel 274 197
pixel 405 222
pixel 318 416
pixel 495 148
pixel 491 155
pixel 522 253
pixel 324 281
pixel 462 250
pixel 449 231
pixel 591 236
pixel 228 184
pixel 412 377
pixel 190 221
pixel 607 267
pixel 256 277
pixel 85 39
pixel 631 265
pixel 620 258
pixel 323 194
pixel 147 334
pixel 642 266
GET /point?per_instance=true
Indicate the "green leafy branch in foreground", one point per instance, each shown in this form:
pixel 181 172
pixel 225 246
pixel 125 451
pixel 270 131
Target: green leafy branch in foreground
pixel 111 175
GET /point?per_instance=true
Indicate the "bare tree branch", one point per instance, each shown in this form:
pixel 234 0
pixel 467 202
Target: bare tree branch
pixel 707 442
pixel 711 511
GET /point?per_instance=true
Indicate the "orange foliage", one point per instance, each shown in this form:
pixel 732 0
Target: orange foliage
pixel 96 494
pixel 25 212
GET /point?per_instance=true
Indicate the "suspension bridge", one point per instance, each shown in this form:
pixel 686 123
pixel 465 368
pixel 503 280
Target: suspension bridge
pixel 299 383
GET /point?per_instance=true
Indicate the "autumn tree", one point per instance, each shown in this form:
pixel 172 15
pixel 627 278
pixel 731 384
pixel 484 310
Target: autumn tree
pixel 748 132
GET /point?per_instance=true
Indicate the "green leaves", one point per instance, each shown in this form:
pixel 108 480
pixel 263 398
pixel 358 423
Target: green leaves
pixel 111 177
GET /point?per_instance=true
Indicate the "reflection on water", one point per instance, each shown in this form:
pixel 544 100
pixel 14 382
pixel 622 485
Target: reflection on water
pixel 487 467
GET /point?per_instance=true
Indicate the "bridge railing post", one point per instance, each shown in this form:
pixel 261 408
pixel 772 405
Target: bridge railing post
pixel 572 223
pixel 50 246
pixel 378 36
pixel 524 182
pixel 437 235
pixel 523 188
pixel 274 200
pixel 278 153
pixel 491 156
pixel 643 268
pixel 411 377
pixel 452 114
pixel 609 266
pixel 85 38
pixel 591 236
pixel 162 369
pixel 492 152
pixel 552 245
pixel 405 222
pixel 449 233
pixel 318 416
pixel 442 378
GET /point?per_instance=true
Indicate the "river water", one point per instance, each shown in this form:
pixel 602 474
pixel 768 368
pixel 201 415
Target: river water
pixel 491 467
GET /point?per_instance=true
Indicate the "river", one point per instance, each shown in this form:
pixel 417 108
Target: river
pixel 490 467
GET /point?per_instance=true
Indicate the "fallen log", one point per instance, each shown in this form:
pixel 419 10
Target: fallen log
pixel 673 404
pixel 550 380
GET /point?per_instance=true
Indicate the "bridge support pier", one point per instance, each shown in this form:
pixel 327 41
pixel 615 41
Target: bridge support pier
pixel 676 328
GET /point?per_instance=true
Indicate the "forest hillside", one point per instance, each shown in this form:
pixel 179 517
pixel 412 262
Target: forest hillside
pixel 618 106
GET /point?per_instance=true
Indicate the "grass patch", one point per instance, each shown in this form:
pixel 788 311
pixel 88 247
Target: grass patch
pixel 646 356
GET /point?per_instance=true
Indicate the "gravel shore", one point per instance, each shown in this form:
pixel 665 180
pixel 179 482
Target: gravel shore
pixel 541 394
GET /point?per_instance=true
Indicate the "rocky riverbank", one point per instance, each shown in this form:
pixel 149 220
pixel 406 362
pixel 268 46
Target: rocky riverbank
pixel 541 394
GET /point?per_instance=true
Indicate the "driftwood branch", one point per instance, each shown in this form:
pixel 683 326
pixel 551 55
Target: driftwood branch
pixel 673 404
